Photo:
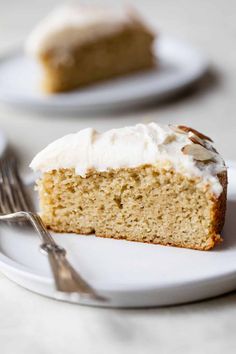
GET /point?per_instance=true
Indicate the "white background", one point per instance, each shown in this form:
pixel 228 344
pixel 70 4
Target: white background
pixel 32 324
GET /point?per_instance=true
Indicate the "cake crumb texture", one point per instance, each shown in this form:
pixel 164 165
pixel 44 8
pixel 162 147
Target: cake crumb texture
pixel 145 204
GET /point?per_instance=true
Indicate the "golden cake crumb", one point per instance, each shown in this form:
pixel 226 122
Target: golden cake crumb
pixel 144 204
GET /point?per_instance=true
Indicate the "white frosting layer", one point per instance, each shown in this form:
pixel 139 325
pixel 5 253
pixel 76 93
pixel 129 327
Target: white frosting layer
pixel 128 147
pixel 71 25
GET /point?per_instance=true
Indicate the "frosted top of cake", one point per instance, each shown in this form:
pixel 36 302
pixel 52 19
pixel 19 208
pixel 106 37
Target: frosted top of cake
pixel 75 24
pixel 184 149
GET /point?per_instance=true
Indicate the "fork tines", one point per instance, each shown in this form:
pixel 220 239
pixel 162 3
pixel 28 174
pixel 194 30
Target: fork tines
pixel 13 196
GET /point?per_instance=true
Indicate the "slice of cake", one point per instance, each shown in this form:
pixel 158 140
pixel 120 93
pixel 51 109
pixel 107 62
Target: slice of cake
pixel 147 183
pixel 81 44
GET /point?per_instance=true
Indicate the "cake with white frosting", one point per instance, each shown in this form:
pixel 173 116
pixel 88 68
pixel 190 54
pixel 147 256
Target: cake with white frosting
pixel 149 183
pixel 80 44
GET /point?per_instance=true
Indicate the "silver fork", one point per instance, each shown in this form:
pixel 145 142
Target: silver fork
pixel 16 206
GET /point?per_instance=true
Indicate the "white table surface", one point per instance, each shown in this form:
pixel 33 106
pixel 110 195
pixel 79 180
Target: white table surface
pixel 32 324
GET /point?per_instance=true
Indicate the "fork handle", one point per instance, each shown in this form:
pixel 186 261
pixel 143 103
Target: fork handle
pixel 66 277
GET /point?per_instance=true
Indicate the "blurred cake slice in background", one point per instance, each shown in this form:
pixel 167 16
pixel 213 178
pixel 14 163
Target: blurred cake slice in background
pixel 147 183
pixel 78 45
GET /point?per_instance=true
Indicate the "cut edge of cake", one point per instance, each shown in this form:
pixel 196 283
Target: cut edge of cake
pixel 110 209
pixel 142 203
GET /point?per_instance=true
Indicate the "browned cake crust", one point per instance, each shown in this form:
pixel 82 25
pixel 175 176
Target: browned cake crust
pixel 220 205
pixel 141 204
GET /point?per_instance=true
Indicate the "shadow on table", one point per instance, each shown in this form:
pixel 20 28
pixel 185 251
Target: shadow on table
pixel 210 81
pixel 229 231
pixel 134 325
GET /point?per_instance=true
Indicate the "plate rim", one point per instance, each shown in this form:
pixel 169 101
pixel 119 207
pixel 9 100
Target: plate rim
pixel 6 263
pixel 53 105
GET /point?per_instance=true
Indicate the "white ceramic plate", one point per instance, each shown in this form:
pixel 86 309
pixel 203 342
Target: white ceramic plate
pixel 180 65
pixel 130 274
